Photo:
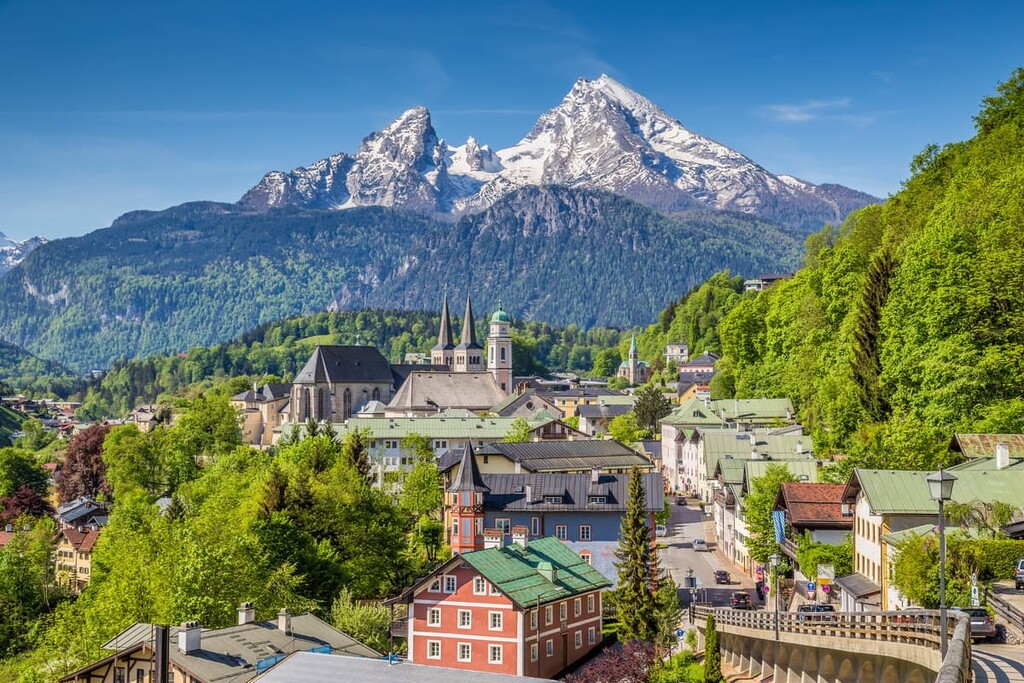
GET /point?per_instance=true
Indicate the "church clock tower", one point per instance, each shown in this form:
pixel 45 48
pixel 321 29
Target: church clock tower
pixel 499 350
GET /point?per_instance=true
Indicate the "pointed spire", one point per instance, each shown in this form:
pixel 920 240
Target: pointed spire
pixel 468 477
pixel 632 345
pixel 444 336
pixel 468 329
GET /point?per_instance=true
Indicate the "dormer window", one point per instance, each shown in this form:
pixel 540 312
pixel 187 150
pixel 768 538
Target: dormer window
pixel 597 499
pixel 553 500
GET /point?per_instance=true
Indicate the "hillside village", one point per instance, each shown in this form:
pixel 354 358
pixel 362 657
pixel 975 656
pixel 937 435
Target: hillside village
pixel 532 495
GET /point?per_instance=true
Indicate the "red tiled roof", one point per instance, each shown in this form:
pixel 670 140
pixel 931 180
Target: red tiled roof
pixel 815 505
pixel 5 538
pixel 83 541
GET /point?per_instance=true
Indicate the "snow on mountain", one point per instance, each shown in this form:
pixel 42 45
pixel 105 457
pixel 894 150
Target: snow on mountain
pixel 12 251
pixel 601 136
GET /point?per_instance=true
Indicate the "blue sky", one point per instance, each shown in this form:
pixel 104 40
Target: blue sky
pixel 106 107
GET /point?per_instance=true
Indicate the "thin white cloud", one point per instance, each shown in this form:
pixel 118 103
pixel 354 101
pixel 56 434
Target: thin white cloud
pixel 803 112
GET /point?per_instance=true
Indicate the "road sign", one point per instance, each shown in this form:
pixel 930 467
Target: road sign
pixel 680 633
pixel 826 588
pixel 974 591
pixel 760 573
pixel 767 590
pixel 810 585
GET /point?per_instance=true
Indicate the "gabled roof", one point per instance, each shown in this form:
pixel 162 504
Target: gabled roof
pixel 528 400
pixel 603 411
pixel 804 470
pixel 230 655
pixel 705 359
pixel 718 443
pixel 814 506
pixel 906 491
pixel 569 456
pixel 330 364
pixel 527 492
pixel 694 413
pixel 467 479
pixel 479 429
pixel 516 571
pixel 754 409
pixel 82 541
pixel 858 586
pixel 438 390
pixel 984 445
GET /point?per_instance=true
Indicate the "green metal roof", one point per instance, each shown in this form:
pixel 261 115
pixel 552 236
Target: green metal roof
pixel 695 413
pixel 479 428
pixel 719 443
pixel 515 570
pixel 799 469
pixel 981 464
pixel 732 470
pixel 614 400
pixel 754 409
pixel 906 492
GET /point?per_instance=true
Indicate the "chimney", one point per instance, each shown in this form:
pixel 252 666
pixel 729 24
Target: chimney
pixel 494 538
pixel 189 637
pixel 1002 456
pixel 284 621
pixel 753 439
pixel 799 447
pixel 9 528
pixel 547 571
pixel 246 614
pixel 161 653
pixel 595 474
pixel 519 535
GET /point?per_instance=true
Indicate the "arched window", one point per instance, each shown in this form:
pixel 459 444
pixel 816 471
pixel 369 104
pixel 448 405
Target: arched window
pixel 346 403
pixel 376 394
pixel 503 353
pixel 307 404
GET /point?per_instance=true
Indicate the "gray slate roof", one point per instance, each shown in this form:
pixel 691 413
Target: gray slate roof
pixel 309 667
pixel 468 477
pixel 601 410
pixel 345 364
pixel 568 456
pixel 230 654
pixel 508 492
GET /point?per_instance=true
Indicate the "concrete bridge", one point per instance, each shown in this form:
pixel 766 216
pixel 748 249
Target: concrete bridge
pixel 854 647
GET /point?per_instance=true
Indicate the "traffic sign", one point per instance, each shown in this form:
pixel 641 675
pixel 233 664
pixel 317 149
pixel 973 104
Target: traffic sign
pixel 760 573
pixel 767 590
pixel 679 633
pixel 810 585
pixel 826 588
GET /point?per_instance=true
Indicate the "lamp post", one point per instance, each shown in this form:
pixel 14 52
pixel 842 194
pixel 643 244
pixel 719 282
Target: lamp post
pixel 940 486
pixel 774 559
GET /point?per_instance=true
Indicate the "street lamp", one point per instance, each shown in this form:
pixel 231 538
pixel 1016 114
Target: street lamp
pixel 940 486
pixel 774 559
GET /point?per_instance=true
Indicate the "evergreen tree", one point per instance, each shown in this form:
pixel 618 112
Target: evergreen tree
pixel 712 653
pixel 356 451
pixel 635 597
pixel 867 343
pixel 650 406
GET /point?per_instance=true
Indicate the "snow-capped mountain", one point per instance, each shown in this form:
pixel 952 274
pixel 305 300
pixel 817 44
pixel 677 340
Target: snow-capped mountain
pixel 12 252
pixel 601 136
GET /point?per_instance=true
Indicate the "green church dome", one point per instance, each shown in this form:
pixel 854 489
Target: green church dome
pixel 500 316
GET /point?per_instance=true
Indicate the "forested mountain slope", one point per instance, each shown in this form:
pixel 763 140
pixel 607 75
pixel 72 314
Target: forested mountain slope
pixel 906 324
pixel 202 273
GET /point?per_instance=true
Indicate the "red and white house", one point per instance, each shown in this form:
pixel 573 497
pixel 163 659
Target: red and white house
pixel 532 608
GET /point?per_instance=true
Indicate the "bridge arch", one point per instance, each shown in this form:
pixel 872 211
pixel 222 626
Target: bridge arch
pixel 890 674
pixel 846 672
pixel 867 672
pixel 827 668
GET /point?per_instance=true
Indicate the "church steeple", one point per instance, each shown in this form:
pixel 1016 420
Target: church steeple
pixel 467 504
pixel 499 350
pixel 469 355
pixel 443 351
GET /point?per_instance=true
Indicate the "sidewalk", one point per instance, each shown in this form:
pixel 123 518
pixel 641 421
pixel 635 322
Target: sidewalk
pixel 737 572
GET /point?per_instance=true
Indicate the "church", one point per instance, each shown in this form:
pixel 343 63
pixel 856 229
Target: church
pixel 338 381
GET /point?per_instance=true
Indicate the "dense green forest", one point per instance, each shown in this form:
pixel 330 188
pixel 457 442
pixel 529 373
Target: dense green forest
pixel 202 273
pixel 906 324
pixel 279 349
pixel 20 370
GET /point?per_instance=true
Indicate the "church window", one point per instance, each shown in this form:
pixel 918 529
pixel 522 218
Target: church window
pixel 376 394
pixel 347 403
pixel 503 353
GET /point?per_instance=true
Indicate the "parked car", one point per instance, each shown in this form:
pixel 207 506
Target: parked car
pixel 814 611
pixel 680 500
pixel 740 600
pixel 722 576
pixel 983 626
pixel 660 530
pixel 700 545
pixel 1019 578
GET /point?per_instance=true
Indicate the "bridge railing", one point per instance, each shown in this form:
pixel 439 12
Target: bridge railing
pixel 915 628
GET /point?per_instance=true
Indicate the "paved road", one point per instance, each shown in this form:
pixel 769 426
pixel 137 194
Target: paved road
pixel 998 663
pixel 686 524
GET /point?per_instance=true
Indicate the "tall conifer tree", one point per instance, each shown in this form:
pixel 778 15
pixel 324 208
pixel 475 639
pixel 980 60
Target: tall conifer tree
pixel 635 597
pixel 712 653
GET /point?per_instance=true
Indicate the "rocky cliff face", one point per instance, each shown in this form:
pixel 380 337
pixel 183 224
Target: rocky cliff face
pixel 602 136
